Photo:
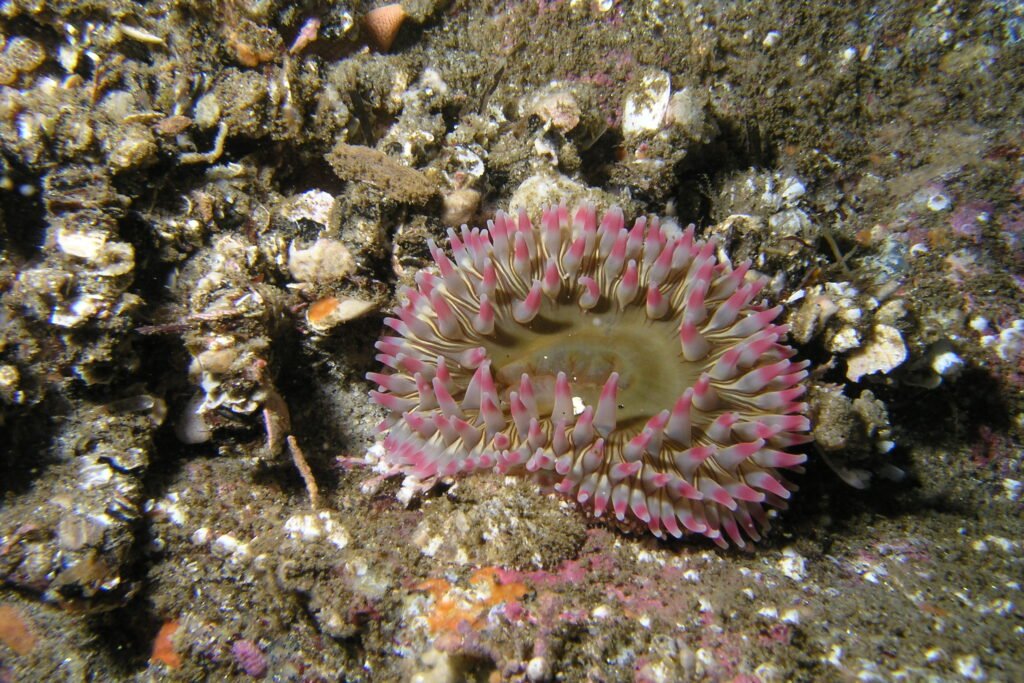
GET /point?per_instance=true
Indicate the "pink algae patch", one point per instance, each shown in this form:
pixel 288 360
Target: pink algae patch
pixel 569 572
pixel 16 631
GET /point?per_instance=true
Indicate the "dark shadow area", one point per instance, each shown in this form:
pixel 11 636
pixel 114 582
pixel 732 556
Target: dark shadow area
pixel 954 417
pixel 319 415
pixel 953 413
pixel 300 170
pixel 27 443
pixel 706 167
pixel 23 222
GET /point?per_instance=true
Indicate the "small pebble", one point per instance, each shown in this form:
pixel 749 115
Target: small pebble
pixel 538 670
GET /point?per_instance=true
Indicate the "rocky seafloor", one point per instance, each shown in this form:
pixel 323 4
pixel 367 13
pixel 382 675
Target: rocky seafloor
pixel 206 210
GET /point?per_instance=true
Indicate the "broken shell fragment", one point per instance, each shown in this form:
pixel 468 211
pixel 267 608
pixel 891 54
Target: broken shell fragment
pixel 83 245
pixel 644 111
pixel 325 261
pixel 883 353
pixel 460 206
pixel 331 311
pixel 556 107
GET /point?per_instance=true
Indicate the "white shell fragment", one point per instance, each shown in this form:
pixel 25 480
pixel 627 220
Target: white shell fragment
pixel 687 111
pixel 947 364
pixel 844 340
pixel 645 110
pixel 312 526
pixel 884 352
pixel 83 245
pixel 314 205
pixel 1008 343
pixel 325 261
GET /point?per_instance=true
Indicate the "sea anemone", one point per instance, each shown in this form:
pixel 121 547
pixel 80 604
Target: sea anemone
pixel 631 370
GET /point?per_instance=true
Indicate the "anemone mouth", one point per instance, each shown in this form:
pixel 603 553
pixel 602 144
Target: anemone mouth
pixel 588 346
pixel 627 368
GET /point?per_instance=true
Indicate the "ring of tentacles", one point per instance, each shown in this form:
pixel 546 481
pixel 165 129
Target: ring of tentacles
pixel 632 369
